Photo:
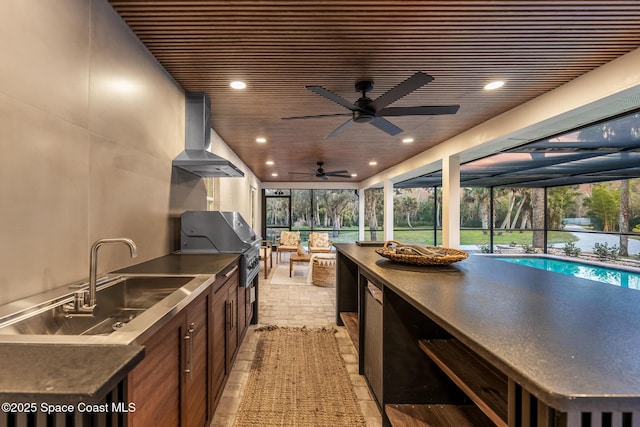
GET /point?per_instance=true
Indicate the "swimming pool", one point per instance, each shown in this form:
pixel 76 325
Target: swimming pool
pixel 612 276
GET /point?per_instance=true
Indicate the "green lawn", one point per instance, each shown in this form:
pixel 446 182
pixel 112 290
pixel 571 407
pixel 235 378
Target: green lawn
pixel 467 237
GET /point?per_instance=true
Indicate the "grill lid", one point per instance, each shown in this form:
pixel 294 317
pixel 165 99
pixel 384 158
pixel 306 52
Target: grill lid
pixel 215 232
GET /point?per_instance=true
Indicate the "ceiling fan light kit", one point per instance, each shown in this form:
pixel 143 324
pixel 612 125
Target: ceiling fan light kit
pixel 366 110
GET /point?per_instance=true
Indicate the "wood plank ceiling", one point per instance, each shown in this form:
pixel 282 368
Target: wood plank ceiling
pixel 279 47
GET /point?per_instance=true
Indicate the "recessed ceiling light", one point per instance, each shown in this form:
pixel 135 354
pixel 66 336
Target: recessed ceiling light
pixel 261 139
pixel 353 175
pixel 373 163
pixel 407 140
pixel 274 174
pixel 494 85
pixel 238 84
pixel 269 162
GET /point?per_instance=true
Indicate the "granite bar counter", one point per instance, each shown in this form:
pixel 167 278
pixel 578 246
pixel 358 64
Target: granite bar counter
pixel 569 345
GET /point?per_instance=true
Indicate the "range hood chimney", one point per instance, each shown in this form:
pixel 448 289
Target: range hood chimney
pixel 196 158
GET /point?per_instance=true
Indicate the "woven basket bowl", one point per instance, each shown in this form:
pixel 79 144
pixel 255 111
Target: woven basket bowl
pixel 451 255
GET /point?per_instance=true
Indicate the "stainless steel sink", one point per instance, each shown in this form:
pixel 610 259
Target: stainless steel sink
pixel 118 302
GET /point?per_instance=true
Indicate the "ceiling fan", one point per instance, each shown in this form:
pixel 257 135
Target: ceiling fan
pixel 320 173
pixel 366 110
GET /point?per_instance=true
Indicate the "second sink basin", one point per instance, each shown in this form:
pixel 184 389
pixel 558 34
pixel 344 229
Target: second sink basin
pixel 118 302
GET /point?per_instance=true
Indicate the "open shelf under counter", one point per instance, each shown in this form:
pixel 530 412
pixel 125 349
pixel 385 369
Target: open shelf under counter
pixel 485 385
pixel 350 321
pixel 436 416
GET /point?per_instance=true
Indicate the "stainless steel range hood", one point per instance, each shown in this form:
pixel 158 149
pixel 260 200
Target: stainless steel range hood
pixel 196 158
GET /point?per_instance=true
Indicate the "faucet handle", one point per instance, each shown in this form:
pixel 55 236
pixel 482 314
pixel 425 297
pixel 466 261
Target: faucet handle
pixel 79 299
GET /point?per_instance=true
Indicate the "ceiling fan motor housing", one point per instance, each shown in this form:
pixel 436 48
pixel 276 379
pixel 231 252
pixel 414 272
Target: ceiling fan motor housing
pixel 366 114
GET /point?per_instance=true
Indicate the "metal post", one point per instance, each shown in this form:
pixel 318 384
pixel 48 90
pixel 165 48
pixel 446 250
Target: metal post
pixel 546 224
pixel 435 216
pixel 491 197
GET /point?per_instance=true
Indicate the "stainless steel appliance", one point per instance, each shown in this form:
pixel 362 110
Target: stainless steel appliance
pixel 222 233
pixel 373 339
pixel 197 157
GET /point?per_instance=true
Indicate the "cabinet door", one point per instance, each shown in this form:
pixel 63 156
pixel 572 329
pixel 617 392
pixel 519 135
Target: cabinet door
pixel 242 311
pixel 196 356
pixel 232 321
pixel 224 333
pixel 218 334
pixel 154 385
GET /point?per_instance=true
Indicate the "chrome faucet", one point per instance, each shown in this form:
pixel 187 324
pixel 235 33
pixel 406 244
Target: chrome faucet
pixel 80 304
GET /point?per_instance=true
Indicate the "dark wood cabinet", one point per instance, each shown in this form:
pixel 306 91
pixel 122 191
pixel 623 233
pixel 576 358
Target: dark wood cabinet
pixel 169 387
pixel 154 385
pixel 187 361
pixel 224 329
pixel 196 349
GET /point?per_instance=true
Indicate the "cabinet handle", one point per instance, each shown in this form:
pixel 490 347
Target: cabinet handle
pixel 230 272
pixel 191 331
pixel 187 361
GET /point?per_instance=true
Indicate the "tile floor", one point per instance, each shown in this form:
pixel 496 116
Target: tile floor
pixel 292 305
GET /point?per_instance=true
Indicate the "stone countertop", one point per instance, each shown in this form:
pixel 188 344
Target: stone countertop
pixel 572 342
pixel 74 371
pixel 181 263
pixel 63 373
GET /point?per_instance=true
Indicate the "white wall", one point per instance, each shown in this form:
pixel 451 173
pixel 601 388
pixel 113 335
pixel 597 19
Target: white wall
pixel 234 194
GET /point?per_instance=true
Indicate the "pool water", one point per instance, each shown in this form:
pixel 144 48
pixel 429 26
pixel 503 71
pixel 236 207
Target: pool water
pixel 611 276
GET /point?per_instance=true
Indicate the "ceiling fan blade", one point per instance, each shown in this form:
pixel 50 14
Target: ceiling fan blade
pixel 319 116
pixel 386 126
pixel 339 129
pixel 333 97
pixel 336 172
pixel 414 82
pixel 341 176
pixel 323 177
pixel 418 111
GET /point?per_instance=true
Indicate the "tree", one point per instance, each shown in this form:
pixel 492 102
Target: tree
pixel 476 202
pixel 560 201
pixel 520 200
pixel 336 202
pixel 623 217
pixel 620 130
pixel 373 205
pixel 405 206
pixel 603 207
pixel 538 218
pixel 301 208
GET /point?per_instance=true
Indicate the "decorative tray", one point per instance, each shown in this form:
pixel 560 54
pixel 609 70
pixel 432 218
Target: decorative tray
pixel 420 255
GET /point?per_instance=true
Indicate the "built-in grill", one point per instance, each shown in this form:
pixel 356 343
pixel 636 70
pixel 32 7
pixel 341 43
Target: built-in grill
pixel 222 233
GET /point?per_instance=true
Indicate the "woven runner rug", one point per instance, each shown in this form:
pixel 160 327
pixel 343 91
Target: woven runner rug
pixel 298 378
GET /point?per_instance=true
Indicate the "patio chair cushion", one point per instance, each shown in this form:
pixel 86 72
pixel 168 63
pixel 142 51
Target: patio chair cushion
pixel 289 238
pixel 319 242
